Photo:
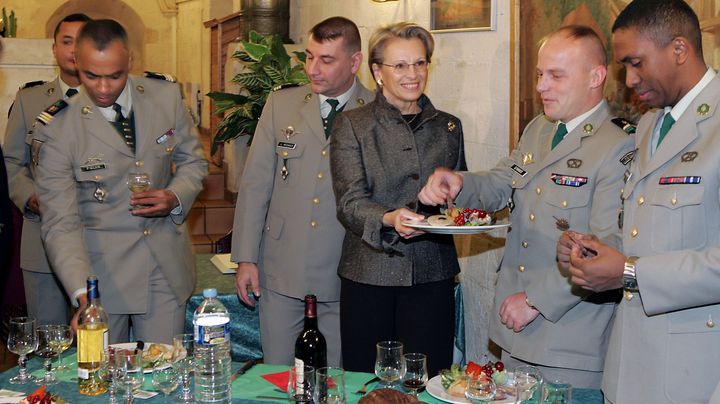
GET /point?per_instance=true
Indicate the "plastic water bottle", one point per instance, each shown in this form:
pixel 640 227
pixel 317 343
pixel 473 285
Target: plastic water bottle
pixel 212 350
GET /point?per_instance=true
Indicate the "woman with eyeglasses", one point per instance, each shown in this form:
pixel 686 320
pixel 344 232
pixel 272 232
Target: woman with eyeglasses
pixel 396 282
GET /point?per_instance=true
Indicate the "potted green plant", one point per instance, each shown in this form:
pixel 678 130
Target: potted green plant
pixel 268 68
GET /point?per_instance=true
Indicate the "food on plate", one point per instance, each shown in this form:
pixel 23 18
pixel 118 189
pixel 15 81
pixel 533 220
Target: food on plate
pixel 155 354
pixel 469 217
pixel 440 220
pixel 388 396
pixel 454 380
pixel 40 396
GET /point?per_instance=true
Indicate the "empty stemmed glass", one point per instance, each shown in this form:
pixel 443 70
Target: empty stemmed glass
pixel 416 373
pixel 134 377
pixel 112 370
pixel 48 348
pixel 165 379
pixel 183 361
pixel 65 341
pixel 389 362
pixel 22 340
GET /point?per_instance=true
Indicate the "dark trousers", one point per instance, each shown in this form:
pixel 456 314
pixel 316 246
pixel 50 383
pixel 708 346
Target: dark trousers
pixel 422 317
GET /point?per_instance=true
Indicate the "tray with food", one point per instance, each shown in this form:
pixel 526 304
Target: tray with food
pixel 450 385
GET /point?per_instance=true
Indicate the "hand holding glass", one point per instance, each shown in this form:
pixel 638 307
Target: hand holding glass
pixel 22 340
pixel 389 363
pixel 138 182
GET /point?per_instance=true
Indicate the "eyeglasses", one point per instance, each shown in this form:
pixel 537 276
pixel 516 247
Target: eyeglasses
pixel 403 67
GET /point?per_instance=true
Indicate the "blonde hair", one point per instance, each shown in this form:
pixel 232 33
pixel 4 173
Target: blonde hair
pixel 404 30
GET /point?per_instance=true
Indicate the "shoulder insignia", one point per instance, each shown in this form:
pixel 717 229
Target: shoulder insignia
pixel 48 115
pixel 284 86
pixel 625 125
pixel 33 83
pixel 307 97
pixel 160 76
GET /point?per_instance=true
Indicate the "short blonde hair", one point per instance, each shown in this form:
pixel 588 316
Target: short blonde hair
pixel 404 30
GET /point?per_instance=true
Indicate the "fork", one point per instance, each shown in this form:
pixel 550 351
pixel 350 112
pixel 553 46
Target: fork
pixel 364 387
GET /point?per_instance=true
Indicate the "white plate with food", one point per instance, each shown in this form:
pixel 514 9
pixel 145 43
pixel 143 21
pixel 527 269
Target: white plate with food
pixel 454 229
pixel 153 354
pixel 434 388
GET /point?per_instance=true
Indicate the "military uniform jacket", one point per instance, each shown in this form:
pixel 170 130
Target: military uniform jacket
pixel 665 342
pixel 288 226
pixel 80 154
pixel 379 164
pixel 578 181
pixel 29 102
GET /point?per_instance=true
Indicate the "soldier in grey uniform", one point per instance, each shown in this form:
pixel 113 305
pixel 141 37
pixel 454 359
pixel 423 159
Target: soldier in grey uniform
pixel 566 172
pixel 664 344
pixel 286 237
pixel 45 297
pixel 83 150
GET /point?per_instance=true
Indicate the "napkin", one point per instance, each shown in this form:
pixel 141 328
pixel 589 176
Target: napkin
pixel 279 379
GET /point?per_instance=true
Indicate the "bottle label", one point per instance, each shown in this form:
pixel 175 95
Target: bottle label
pixel 83 374
pixel 212 334
pixel 299 376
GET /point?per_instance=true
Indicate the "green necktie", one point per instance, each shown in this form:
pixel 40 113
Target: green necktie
pixel 667 123
pixel 559 135
pixel 331 116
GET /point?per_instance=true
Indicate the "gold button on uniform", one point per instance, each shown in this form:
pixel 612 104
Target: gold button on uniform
pixel 633 232
pixel 514 182
pixel 537 190
pixel 564 204
pixel 320 176
pixel 710 323
pixel 641 200
pixel 139 163
pixel 313 224
pixel 524 244
pixel 267 228
pixel 285 154
pixel 324 152
pixel 673 201
pixel 628 295
pixel 168 149
pixel 532 217
pixel 146 232
pixel 521 268
pixel 316 201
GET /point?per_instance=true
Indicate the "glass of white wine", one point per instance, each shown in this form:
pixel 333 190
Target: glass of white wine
pixel 65 341
pixel 48 349
pixel 138 182
pixel 389 362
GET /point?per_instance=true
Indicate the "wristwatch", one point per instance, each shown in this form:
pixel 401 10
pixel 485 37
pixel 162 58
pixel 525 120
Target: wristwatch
pixel 629 279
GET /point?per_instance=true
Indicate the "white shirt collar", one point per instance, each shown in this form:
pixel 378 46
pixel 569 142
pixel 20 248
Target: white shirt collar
pixel 342 100
pixel 685 101
pixel 575 122
pixel 64 87
pixel 125 101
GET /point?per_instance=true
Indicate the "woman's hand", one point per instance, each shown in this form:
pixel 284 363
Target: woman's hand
pixel 396 218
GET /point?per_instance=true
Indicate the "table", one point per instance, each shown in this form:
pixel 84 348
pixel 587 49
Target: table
pixel 245 388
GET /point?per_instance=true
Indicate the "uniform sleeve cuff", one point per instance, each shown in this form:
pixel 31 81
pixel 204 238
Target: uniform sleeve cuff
pixel 178 209
pixel 75 295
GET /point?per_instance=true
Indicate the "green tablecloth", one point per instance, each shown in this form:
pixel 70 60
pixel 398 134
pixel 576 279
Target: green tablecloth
pixel 245 388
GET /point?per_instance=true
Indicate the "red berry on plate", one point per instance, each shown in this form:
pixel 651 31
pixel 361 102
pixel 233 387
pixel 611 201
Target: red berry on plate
pixel 499 366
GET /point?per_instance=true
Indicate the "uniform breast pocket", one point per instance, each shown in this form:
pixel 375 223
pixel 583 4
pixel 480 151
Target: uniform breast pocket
pixel 90 186
pixel 569 203
pixel 678 209
pixel 289 160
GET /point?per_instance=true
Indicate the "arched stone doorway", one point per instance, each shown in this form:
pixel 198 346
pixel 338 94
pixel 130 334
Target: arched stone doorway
pixel 112 9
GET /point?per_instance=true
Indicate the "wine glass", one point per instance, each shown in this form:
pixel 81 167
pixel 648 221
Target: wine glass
pixel 48 348
pixel 416 373
pixel 22 339
pixel 301 384
pixel 480 389
pixel 66 339
pixel 389 363
pixel 165 379
pixel 138 182
pixel 527 383
pixel 183 361
pixel 134 377
pixel 113 369
pixel 329 386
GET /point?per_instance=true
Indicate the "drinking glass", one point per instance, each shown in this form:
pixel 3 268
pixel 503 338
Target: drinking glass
pixel 138 182
pixel 329 386
pixel 22 339
pixel 528 381
pixel 557 392
pixel 416 374
pixel 48 348
pixel 134 378
pixel 301 384
pixel 389 363
pixel 113 368
pixel 183 361
pixel 165 379
pixel 480 389
pixel 66 340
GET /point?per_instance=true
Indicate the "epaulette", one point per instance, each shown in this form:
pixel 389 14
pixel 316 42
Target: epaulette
pixel 160 76
pixel 33 83
pixel 625 125
pixel 48 115
pixel 284 86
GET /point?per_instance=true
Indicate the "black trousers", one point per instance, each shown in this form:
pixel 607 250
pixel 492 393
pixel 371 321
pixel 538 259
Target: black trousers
pixel 422 317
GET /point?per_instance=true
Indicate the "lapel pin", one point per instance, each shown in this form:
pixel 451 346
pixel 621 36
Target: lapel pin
pixel 86 110
pixel 50 90
pixel 141 89
pixel 307 97
pixel 451 126
pixel 527 159
pixel 588 128
pixel 703 109
pixel 288 132
pixel 360 101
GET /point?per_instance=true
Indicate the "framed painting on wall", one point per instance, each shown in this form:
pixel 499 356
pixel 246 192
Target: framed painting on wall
pixel 462 15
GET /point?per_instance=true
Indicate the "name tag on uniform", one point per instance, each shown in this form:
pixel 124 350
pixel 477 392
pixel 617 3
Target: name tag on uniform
pixel 688 179
pixel 519 170
pixel 286 145
pixel 165 136
pixel 568 180
pixel 93 167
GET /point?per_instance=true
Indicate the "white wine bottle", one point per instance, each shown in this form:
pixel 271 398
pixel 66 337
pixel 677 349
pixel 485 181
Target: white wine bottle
pixel 92 340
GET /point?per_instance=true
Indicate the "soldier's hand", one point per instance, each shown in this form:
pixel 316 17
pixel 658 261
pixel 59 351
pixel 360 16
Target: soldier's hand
pixel 599 272
pixel 442 185
pixel 246 278
pixel 396 218
pixel 515 312
pixel 153 203
pixel 82 302
pixel 33 204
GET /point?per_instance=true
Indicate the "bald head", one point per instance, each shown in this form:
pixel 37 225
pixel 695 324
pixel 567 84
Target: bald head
pixel 588 40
